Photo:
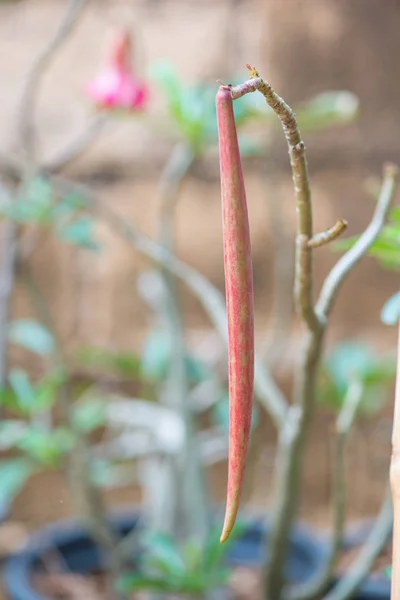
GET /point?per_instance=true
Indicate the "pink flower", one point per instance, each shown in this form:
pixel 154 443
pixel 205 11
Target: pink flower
pixel 116 86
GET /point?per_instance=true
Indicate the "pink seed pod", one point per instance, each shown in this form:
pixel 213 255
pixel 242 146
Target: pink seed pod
pixel 239 301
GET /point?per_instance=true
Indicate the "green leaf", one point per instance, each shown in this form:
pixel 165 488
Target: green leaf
pixel 391 310
pixel 124 363
pixel 35 205
pixel 80 233
pixel 14 473
pixel 23 390
pixel 134 582
pixel 32 336
pixel 156 356
pixel 163 549
pixel 47 448
pixel 11 431
pixel 89 414
pixel 215 552
pixel 47 390
pixel 356 361
pixel 328 109
pixel 388 572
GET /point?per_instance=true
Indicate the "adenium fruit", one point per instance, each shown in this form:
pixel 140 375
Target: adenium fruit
pixel 239 301
pixel 116 87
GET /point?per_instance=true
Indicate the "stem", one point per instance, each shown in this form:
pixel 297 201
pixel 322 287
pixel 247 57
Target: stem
pixel 395 483
pixel 188 469
pixel 362 565
pixel 289 461
pixel 314 589
pixel 320 239
pixel 26 117
pixel 7 280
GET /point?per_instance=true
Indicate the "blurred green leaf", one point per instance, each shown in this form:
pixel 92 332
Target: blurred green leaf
pixel 386 247
pixel 350 361
pixel 11 431
pixel 124 363
pixel 14 473
pixel 23 390
pixel 48 448
pixel 390 314
pixel 47 389
pixel 388 572
pixel 89 414
pixel 326 110
pixel 156 354
pixel 80 232
pixel 163 552
pixel 133 581
pixel 31 335
pixel 34 205
pixel 156 358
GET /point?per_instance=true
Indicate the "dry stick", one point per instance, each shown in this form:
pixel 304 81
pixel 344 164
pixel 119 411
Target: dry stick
pixel 314 589
pixel 362 565
pixel 26 117
pixel 395 483
pixel 268 393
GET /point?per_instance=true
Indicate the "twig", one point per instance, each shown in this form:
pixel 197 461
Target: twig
pixel 395 483
pixel 349 260
pixel 77 146
pixel 186 469
pixel 26 125
pixel 268 393
pixel 314 589
pixel 320 239
pixel 7 278
pixel 298 161
pixel 378 537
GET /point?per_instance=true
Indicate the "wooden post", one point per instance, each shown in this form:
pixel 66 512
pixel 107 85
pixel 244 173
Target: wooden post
pixel 395 484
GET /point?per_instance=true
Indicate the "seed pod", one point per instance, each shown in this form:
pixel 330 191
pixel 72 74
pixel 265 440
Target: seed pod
pixel 239 301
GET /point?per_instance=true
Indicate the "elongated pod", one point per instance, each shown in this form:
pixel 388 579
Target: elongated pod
pixel 239 301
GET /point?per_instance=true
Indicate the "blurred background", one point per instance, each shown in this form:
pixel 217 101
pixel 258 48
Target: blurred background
pixel 98 298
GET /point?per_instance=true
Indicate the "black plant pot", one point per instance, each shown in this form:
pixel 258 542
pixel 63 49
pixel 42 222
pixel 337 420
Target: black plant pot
pixel 72 541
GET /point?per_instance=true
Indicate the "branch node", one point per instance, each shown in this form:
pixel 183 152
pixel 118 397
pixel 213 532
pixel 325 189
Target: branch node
pixel 320 239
